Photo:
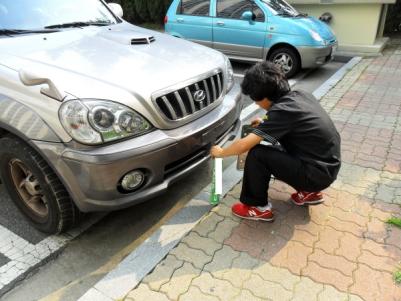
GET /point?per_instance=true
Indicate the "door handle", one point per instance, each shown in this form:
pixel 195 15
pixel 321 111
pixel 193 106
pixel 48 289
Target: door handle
pixel 180 20
pixel 220 23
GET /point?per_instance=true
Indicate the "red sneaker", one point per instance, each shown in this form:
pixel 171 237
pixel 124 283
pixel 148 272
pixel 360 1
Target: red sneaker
pixel 253 213
pixel 302 198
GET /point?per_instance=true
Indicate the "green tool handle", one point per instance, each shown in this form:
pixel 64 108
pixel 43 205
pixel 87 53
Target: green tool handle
pixel 214 198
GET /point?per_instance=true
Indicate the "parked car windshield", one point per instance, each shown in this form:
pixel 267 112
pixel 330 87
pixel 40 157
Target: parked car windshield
pixel 280 7
pixel 40 14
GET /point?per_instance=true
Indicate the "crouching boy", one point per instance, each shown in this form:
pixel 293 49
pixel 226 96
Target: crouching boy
pixel 308 158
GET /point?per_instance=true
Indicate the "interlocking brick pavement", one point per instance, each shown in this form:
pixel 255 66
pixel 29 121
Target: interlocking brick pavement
pixel 341 250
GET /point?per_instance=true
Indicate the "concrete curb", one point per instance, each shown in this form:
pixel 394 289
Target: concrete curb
pixel 130 272
pixel 335 78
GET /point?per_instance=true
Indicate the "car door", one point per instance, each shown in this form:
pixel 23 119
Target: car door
pixel 236 37
pixel 193 21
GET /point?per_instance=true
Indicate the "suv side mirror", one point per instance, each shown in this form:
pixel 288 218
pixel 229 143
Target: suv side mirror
pixel 247 16
pixel 116 9
pixel 31 79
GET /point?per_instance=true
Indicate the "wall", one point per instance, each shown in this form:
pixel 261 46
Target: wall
pixel 356 23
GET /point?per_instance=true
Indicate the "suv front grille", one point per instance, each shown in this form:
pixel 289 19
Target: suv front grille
pixel 186 101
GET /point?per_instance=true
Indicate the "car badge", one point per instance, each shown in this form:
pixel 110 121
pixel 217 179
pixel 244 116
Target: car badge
pixel 199 96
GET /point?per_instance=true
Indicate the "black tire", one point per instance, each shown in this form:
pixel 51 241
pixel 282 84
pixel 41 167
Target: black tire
pixel 290 67
pixel 57 211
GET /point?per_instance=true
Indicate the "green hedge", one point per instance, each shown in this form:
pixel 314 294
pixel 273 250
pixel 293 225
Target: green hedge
pixel 141 11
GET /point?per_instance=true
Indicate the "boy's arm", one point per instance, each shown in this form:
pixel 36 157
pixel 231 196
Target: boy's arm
pixel 238 147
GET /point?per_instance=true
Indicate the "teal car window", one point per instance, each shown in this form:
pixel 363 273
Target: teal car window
pixel 233 9
pixel 193 7
pixel 38 14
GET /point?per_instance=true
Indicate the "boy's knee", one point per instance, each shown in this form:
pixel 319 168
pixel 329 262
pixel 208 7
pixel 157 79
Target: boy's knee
pixel 256 151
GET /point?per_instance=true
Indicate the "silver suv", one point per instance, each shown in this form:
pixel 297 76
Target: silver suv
pixel 97 114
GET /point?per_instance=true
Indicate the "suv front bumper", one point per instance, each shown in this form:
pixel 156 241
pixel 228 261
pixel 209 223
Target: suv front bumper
pixel 92 176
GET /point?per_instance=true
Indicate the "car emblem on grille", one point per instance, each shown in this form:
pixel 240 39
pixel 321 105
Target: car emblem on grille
pixel 199 96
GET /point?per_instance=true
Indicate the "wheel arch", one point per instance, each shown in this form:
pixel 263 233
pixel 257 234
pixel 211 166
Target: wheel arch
pixel 283 45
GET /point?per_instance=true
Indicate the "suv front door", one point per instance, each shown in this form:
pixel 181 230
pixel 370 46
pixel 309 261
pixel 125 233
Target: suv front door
pixel 194 21
pixel 234 36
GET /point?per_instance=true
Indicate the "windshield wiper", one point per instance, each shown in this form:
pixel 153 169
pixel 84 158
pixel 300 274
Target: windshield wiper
pixel 10 32
pixel 285 14
pixel 79 24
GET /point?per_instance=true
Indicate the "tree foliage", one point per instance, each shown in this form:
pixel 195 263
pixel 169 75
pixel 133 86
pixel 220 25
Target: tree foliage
pixel 140 11
pixel 393 22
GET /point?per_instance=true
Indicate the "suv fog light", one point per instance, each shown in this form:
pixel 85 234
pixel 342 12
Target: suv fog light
pixel 132 180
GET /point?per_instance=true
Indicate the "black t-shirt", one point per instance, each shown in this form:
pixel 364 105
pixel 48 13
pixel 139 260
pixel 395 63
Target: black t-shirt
pixel 304 129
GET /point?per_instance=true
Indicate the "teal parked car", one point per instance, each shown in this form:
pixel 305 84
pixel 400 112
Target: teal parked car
pixel 253 31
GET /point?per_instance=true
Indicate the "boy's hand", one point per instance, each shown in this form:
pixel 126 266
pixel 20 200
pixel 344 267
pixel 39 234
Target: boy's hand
pixel 255 123
pixel 216 151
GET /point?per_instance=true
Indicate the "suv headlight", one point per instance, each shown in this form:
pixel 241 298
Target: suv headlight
pixel 230 75
pixel 93 121
pixel 315 36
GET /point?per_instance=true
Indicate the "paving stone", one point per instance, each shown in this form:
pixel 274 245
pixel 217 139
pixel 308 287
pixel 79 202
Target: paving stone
pixel 225 211
pixel 374 285
pixel 195 241
pixel 277 275
pixel 329 293
pixel 382 249
pixel 327 276
pixel 197 257
pixel 180 281
pixel 329 240
pixel 379 262
pixel 377 230
pixel 266 289
pixel 293 256
pixel 347 227
pixel 162 273
pixel 208 224
pixel 223 230
pixel 350 247
pixel 240 270
pixel 390 208
pixel 222 261
pixel 307 289
pixel 394 237
pixel 216 287
pixel 333 262
pixel 349 216
pixel 246 295
pixel 144 293
pixel 195 294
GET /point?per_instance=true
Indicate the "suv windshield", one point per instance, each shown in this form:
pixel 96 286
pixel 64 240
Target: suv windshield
pixel 33 15
pixel 280 7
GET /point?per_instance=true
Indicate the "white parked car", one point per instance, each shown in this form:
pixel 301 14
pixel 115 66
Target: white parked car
pixel 97 114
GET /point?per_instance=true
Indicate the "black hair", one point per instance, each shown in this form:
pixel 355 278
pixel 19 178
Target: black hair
pixel 265 80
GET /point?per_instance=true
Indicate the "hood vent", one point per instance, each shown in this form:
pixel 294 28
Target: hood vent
pixel 127 37
pixel 140 41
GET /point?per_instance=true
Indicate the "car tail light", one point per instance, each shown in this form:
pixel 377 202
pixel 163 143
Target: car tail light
pixel 165 20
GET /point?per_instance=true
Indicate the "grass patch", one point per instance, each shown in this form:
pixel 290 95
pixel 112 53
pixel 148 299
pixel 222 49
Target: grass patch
pixel 395 221
pixel 397 277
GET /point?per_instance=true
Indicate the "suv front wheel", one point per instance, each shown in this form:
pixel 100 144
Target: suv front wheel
pixel 35 188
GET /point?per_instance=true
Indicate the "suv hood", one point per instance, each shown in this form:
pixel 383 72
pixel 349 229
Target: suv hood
pixel 120 56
